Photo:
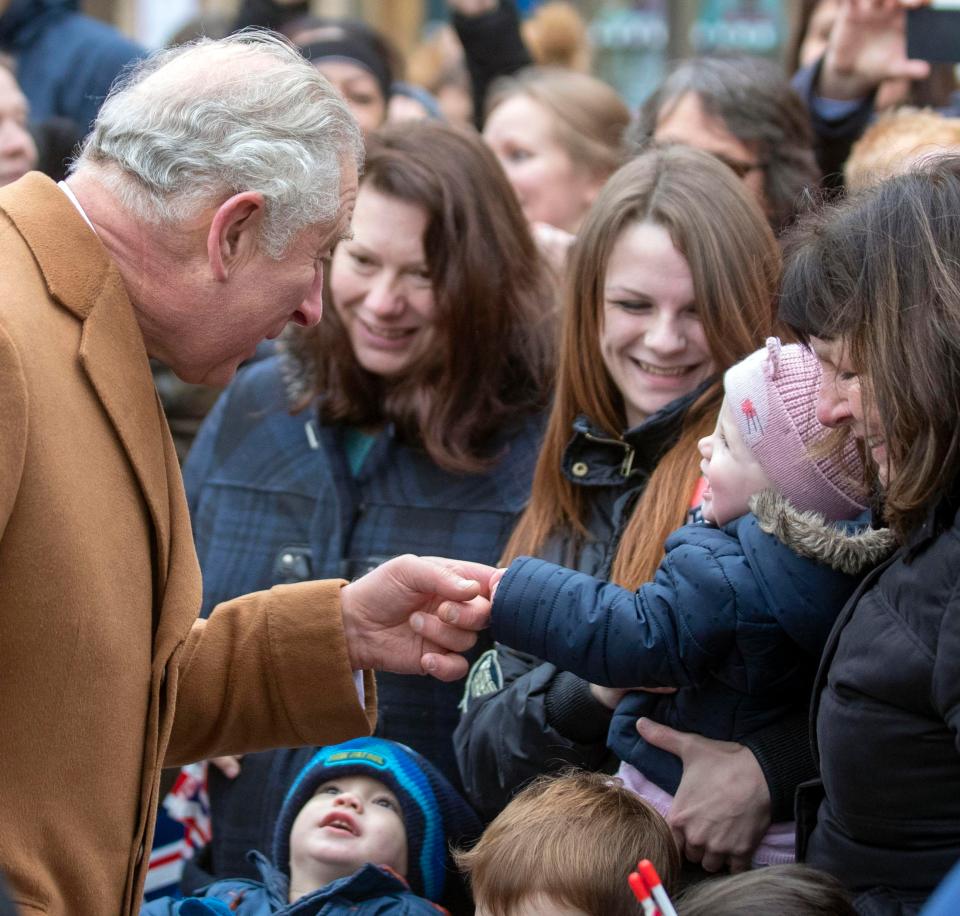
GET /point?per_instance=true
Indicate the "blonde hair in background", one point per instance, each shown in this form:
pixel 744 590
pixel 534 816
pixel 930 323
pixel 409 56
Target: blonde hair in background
pixel 571 839
pixel 589 117
pixel 556 35
pixel 896 142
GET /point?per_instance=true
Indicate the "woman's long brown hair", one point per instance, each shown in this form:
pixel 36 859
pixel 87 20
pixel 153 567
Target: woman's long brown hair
pixel 734 261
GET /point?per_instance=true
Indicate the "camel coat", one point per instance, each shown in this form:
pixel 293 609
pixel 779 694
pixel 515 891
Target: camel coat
pixel 106 675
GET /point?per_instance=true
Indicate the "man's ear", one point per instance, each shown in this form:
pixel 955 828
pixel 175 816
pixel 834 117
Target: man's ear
pixel 234 233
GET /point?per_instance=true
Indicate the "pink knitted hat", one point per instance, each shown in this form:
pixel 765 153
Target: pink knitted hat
pixel 772 395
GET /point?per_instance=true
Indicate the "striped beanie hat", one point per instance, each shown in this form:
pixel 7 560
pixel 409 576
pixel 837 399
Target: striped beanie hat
pixel 434 814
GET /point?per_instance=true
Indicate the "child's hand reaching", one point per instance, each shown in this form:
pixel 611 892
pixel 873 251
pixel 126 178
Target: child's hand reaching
pixel 495 581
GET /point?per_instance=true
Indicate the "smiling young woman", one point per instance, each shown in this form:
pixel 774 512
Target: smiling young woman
pixel 671 281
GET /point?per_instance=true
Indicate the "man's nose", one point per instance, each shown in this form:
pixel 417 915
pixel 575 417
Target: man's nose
pixel 311 309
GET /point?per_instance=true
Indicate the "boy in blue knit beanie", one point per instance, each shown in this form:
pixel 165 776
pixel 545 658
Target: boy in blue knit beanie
pixel 365 828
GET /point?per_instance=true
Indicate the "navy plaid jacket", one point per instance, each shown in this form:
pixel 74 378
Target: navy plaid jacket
pixel 273 501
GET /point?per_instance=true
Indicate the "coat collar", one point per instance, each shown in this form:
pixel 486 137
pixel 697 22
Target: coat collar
pixel 595 458
pixel 81 277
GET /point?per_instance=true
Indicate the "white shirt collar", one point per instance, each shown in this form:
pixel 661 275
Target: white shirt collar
pixel 73 199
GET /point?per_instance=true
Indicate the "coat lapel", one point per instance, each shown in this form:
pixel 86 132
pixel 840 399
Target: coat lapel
pixel 82 278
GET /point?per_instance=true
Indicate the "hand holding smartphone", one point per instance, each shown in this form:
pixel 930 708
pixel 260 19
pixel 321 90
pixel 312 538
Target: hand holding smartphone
pixel 933 32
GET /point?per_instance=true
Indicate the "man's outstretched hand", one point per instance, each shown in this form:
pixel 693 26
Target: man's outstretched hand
pixel 415 615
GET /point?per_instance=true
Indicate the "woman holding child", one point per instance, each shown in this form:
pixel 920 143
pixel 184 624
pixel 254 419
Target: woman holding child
pixel 670 283
pixel 874 285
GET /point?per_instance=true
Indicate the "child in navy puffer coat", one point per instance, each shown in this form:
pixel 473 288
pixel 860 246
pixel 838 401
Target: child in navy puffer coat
pixel 364 829
pixel 740 608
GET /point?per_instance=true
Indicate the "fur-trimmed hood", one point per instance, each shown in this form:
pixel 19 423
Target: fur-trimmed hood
pixel 847 547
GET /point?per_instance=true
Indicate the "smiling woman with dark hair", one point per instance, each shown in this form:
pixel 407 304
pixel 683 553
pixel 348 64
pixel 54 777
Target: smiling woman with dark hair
pixel 408 420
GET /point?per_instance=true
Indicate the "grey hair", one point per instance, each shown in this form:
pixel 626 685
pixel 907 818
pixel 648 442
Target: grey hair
pixel 191 125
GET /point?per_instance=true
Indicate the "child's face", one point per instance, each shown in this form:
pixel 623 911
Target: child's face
pixel 733 474
pixel 349 821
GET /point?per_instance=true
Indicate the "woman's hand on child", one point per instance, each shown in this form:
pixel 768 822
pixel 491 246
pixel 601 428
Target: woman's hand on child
pixel 722 808
pixel 611 696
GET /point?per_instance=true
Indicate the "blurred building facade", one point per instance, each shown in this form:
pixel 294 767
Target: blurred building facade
pixel 632 39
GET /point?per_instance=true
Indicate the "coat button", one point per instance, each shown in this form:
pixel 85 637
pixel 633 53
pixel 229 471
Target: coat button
pixel 580 469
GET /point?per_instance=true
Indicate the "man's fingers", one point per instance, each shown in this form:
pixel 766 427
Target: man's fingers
pixel 443 635
pixel 467 615
pixel 465 570
pixel 665 738
pixel 740 863
pixel 444 667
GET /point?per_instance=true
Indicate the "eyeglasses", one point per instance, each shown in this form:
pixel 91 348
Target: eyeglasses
pixel 739 167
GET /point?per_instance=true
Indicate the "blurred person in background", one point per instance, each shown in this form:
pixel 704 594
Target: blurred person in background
pixel 558 135
pixel 66 61
pixel 848 60
pixel 18 152
pixel 743 111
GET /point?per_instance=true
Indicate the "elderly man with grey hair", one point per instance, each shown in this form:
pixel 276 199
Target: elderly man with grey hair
pixel 195 222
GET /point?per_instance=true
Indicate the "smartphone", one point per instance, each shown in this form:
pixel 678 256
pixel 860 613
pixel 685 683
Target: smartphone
pixel 933 32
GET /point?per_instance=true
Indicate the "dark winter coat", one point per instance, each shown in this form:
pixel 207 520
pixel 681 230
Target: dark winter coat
pixel 521 716
pixel 369 891
pixel 736 617
pixel 886 720
pixel 273 500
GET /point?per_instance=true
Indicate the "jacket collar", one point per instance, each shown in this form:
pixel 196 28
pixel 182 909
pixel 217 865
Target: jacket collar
pixel 941 515
pixel 365 883
pixel 81 277
pixel 595 458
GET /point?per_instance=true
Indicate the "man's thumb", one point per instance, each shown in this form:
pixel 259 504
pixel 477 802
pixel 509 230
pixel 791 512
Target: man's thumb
pixel 662 736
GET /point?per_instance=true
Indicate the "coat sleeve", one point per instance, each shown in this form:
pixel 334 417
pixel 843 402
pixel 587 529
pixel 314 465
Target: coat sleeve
pixel 13 426
pixel 946 670
pixel 523 718
pixel 669 633
pixel 267 670
pixel 492 47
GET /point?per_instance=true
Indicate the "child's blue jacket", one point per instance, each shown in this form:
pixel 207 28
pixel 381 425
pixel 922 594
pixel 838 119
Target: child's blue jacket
pixel 736 617
pixel 369 891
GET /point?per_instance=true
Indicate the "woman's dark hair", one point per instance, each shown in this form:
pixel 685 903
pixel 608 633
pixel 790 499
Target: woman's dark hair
pixel 492 362
pixel 881 272
pixel 758 106
pixel 786 890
